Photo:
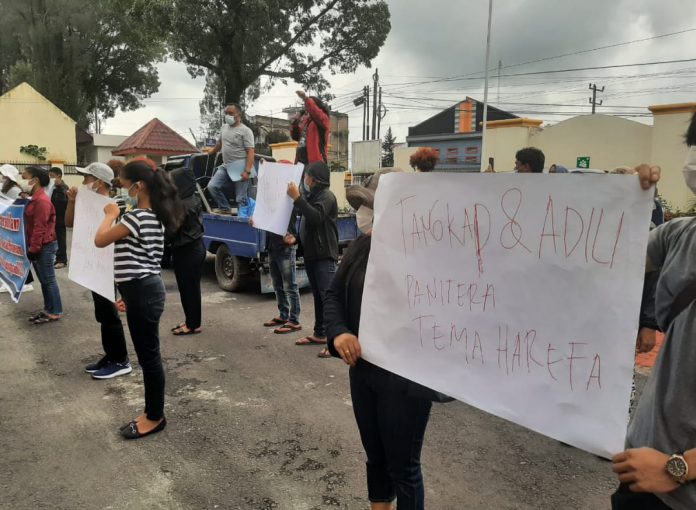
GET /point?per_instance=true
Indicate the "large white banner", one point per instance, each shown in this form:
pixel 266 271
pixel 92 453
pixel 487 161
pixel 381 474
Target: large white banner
pixel 517 294
pixel 90 266
pixel 273 205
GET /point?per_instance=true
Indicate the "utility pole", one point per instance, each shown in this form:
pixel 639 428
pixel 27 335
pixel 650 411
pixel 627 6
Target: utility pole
pixel 382 112
pixel 364 100
pixel 96 117
pixel 367 107
pixel 484 136
pixel 593 99
pixel 375 77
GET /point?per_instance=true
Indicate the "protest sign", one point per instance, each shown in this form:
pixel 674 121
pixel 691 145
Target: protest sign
pixel 90 266
pixel 518 294
pixel 273 205
pixel 14 264
pixel 236 168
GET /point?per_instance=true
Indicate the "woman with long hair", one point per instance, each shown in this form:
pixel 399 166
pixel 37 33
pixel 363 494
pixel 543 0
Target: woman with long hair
pixel 139 244
pixel 188 252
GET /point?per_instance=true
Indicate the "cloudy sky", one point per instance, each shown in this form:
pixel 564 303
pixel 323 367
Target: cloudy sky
pixel 434 56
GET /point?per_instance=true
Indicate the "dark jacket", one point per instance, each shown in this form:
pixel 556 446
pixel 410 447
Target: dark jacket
pixel 318 231
pixel 342 308
pixel 59 199
pixel 191 229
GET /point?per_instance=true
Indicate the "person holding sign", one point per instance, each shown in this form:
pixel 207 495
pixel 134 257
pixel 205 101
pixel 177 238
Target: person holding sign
pixel 97 178
pixel 40 231
pixel 392 412
pixel 658 468
pixel 319 239
pixel 139 245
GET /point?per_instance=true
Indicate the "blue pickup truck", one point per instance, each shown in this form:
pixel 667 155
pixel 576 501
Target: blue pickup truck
pixel 241 256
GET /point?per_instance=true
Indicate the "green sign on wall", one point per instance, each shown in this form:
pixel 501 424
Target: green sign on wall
pixel 583 162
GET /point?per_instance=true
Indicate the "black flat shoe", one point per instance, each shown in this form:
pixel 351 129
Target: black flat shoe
pixel 130 431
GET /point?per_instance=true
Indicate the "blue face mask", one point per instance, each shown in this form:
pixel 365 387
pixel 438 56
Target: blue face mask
pixel 231 120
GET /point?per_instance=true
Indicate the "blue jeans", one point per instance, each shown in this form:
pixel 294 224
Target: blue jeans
pixel 283 266
pixel 320 274
pixel 392 426
pixel 222 181
pixel 46 274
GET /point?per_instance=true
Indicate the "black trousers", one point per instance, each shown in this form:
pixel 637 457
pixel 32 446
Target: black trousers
pixel 62 253
pixel 320 274
pixel 188 267
pixel 112 335
pixel 144 300
pixel 624 499
pixel 392 427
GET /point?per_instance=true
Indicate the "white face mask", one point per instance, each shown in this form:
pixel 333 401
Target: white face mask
pixel 231 120
pixel 690 170
pixel 364 217
pixel 92 186
pixel 26 185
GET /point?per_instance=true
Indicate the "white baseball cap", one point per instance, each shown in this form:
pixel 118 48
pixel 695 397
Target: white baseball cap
pixel 10 172
pixel 101 171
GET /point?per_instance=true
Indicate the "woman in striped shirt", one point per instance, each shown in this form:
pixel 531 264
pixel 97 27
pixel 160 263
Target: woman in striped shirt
pixel 139 243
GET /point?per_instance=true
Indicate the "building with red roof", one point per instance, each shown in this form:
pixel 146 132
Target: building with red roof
pixel 155 140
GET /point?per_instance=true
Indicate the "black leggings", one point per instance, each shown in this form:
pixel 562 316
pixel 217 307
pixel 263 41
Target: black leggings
pixel 188 266
pixel 144 300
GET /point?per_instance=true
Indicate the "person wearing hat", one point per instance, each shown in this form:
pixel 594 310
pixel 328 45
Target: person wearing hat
pixel 319 240
pixel 97 177
pixel 9 186
pixel 391 412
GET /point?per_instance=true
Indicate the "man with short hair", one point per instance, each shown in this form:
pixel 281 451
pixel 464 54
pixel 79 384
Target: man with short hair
pixel 59 198
pixel 529 160
pixel 237 145
pixel 98 178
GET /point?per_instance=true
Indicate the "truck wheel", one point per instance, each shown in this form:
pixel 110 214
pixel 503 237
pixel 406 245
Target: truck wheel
pixel 231 271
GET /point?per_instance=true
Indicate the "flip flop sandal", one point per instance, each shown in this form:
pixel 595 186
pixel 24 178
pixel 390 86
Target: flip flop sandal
pixel 310 340
pixel 178 326
pixel 36 316
pixel 288 327
pixel 324 353
pixel 274 322
pixel 181 331
pixel 45 319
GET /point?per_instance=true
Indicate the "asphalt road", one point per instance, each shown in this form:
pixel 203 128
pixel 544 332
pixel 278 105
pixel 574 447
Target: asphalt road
pixel 254 423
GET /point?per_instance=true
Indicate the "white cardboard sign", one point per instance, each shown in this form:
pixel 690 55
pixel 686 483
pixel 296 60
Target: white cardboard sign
pixel 273 205
pixel 517 294
pixel 90 266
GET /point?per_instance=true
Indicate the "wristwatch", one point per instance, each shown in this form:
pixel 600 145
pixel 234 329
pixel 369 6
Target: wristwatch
pixel 677 468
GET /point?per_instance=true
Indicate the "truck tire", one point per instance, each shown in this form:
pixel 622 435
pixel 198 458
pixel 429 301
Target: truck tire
pixel 232 272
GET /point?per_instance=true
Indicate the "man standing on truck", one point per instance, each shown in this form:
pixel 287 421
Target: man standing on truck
pixel 237 145
pixel 311 129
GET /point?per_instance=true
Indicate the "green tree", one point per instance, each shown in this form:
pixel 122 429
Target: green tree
pixel 388 148
pixel 242 43
pixel 80 57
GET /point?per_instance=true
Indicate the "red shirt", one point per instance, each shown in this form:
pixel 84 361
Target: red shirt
pixel 314 118
pixel 39 221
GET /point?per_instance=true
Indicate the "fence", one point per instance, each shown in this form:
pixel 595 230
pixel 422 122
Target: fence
pixel 67 169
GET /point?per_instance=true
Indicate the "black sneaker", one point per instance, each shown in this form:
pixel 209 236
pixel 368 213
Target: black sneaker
pixel 93 367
